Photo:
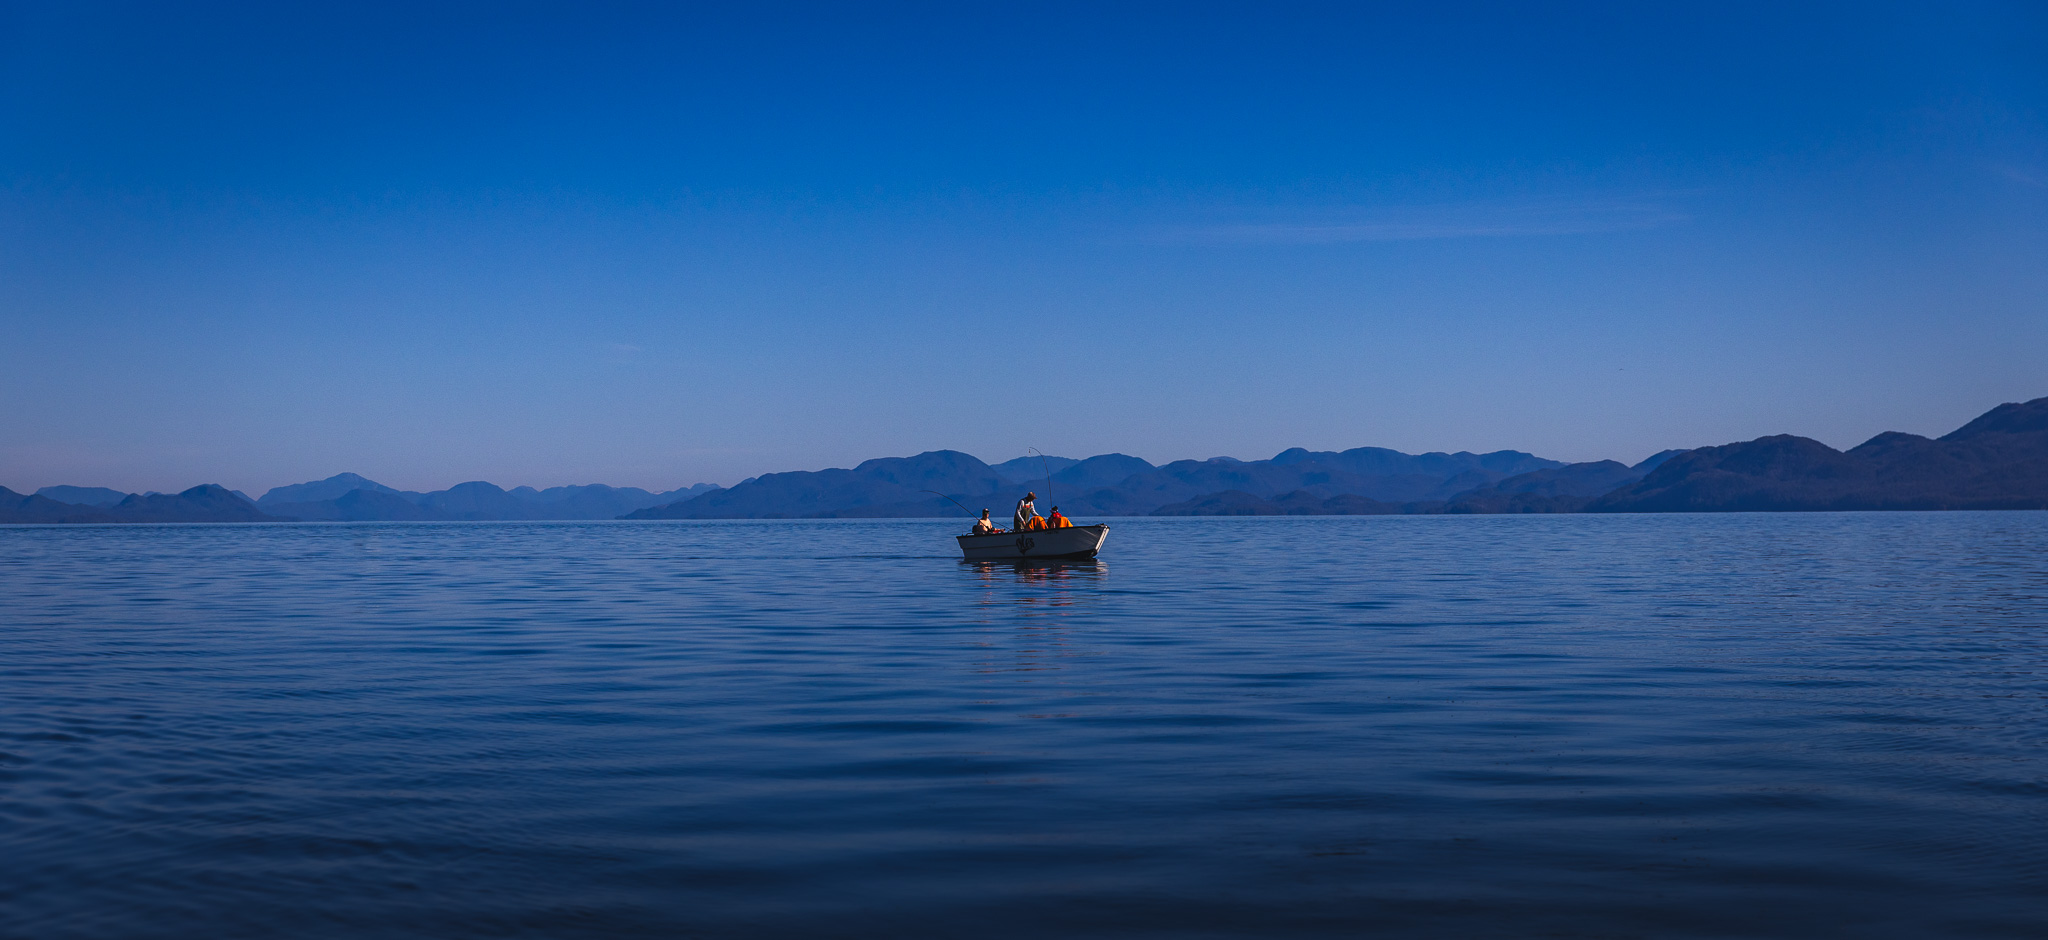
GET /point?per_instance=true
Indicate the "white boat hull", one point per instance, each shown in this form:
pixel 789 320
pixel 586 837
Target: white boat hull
pixel 1081 541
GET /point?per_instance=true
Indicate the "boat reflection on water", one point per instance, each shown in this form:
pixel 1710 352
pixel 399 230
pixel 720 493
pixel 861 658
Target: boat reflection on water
pixel 1055 581
pixel 1040 570
pixel 1034 608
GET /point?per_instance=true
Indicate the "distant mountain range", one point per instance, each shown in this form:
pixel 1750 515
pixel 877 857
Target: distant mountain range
pixel 98 497
pixel 347 497
pixel 204 503
pixel 1031 468
pixel 885 487
pixel 1998 461
pixel 1561 488
pixel 344 497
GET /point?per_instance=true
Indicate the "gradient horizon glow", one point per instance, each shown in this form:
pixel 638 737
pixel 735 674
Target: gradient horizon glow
pixel 651 245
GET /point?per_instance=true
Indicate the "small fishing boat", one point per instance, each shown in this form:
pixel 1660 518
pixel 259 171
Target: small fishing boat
pixel 1081 541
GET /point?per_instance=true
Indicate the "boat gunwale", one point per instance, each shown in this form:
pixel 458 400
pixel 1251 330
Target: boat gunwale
pixel 1011 534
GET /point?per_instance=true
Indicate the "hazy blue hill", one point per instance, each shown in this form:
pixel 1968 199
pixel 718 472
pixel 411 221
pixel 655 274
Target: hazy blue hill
pixel 1770 473
pixel 1559 489
pixel 1382 462
pixel 1656 460
pixel 42 510
pixel 682 493
pixel 1998 461
pixel 888 486
pixel 947 471
pixel 1225 503
pixel 1187 479
pixel 1349 505
pixel 1031 469
pixel 1400 488
pixel 207 502
pixel 334 499
pixel 357 506
pixel 557 494
pixel 1106 501
pixel 204 503
pixel 1262 478
pixel 2029 417
pixel 96 496
pixel 1305 503
pixel 1371 481
pixel 1462 482
pixel 589 501
pixel 1296 503
pixel 1376 473
pixel 1395 477
pixel 475 501
pixel 1099 471
pixel 334 487
pixel 1084 487
pixel 1592 478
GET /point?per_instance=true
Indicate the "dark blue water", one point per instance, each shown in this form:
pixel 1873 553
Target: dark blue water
pixel 1506 726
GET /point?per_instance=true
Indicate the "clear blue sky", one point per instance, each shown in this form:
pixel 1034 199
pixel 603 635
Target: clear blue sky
pixel 648 245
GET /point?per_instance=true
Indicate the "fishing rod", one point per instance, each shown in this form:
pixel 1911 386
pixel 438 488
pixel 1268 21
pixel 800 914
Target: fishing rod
pixel 1043 465
pixel 950 500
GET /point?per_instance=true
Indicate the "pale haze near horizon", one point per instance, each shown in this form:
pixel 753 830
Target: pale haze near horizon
pixel 653 249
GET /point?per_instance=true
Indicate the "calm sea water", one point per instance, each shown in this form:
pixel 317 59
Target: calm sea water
pixel 1504 726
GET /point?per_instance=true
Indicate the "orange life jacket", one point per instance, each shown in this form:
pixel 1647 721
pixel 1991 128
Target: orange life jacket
pixel 1059 522
pixel 1035 523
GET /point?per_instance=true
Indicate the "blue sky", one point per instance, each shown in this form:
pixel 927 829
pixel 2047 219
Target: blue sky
pixel 653 245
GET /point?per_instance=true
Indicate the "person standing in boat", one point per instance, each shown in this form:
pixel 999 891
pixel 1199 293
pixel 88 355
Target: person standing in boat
pixel 1027 510
pixel 984 527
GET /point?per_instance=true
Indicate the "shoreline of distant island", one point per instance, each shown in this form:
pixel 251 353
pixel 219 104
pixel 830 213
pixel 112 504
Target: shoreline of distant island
pixel 1997 461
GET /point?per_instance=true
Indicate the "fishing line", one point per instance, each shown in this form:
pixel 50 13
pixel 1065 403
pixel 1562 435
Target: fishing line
pixel 950 500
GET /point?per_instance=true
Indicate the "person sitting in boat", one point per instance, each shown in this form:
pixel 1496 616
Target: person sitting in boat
pixel 1057 521
pixel 984 527
pixel 1027 510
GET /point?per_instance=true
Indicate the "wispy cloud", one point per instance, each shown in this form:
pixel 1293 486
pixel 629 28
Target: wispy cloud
pixel 1419 223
